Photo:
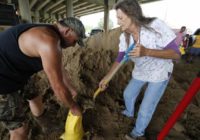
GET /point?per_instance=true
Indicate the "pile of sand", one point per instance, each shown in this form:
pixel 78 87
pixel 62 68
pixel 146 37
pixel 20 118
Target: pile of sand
pixel 102 118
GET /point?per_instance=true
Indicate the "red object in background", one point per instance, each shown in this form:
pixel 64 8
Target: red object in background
pixel 191 92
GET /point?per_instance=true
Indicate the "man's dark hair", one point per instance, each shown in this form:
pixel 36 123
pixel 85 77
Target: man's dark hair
pixel 76 25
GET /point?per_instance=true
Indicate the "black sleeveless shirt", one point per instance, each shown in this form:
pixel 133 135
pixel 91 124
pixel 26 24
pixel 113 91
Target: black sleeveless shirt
pixel 16 67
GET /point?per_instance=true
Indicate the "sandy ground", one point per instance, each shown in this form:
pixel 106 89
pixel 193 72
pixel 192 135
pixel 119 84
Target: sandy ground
pixel 103 118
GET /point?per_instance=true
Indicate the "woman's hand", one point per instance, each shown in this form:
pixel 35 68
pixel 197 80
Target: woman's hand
pixel 103 85
pixel 138 51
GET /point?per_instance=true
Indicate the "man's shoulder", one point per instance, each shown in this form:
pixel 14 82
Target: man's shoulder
pixel 44 32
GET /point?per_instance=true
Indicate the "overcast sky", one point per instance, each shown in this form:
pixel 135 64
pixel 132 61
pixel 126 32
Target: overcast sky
pixel 175 13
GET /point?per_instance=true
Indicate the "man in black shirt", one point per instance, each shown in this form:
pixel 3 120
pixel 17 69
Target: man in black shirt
pixel 26 49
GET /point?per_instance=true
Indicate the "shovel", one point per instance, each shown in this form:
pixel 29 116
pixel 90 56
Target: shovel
pixel 124 60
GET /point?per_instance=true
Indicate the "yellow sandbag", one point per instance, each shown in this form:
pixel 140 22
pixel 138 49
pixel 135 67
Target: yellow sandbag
pixel 182 50
pixel 73 128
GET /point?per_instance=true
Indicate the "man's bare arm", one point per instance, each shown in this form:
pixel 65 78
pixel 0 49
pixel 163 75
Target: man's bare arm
pixel 51 54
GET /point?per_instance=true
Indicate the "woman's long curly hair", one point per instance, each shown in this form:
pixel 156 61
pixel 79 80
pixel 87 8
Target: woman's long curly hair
pixel 133 10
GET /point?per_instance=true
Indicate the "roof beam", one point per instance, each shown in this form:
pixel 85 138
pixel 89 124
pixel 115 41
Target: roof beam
pixel 147 1
pixel 74 1
pixel 81 7
pixel 84 7
pixel 42 5
pixel 53 5
pixel 88 10
pixel 33 2
pixel 78 10
pixel 46 16
pixel 100 2
pixel 88 13
pixel 58 9
pixel 80 4
pixel 62 12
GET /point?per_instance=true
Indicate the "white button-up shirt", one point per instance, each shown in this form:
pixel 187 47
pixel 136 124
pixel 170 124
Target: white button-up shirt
pixel 151 69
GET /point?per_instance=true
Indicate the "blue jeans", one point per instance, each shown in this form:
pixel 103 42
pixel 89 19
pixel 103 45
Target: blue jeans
pixel 150 100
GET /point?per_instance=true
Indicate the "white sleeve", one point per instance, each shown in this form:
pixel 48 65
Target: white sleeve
pixel 164 33
pixel 122 43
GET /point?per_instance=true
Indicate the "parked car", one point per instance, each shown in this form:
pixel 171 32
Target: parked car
pixel 95 31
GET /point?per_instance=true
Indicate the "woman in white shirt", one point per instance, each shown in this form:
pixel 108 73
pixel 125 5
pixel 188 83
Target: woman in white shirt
pixel 154 50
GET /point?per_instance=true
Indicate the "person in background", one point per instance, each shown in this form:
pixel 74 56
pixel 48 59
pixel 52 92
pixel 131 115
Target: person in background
pixel 180 35
pixel 186 41
pixel 155 48
pixel 26 49
pixel 184 46
pixel 180 40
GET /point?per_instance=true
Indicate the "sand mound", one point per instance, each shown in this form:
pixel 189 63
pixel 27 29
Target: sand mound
pixel 102 118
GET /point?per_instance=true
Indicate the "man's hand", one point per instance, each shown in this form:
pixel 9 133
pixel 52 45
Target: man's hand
pixel 76 110
pixel 138 51
pixel 74 94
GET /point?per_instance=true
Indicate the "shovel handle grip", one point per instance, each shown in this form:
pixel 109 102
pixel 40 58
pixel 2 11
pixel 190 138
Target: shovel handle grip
pixel 125 59
pixel 96 93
